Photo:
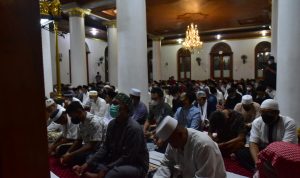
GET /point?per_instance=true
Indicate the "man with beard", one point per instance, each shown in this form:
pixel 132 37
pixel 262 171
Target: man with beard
pixel 140 111
pixel 267 128
pixel 91 135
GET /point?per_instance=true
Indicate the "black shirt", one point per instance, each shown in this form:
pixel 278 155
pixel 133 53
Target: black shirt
pixel 124 145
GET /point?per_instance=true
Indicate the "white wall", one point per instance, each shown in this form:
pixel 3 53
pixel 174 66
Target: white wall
pixel 202 72
pixel 96 47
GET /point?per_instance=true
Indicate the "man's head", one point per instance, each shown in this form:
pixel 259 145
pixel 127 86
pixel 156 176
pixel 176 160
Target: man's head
pixel 187 99
pixel 76 112
pixel 110 96
pixel 85 89
pixel 169 131
pixel 201 97
pixel 157 96
pixel 135 95
pixel 50 106
pixel 218 119
pixel 271 60
pixel 269 111
pixel 121 107
pixel 247 102
pixel 231 92
pixel 93 95
pixel 59 116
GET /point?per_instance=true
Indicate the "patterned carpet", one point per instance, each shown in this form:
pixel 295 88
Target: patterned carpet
pixel 66 172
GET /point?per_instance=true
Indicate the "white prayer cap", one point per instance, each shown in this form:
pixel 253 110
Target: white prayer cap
pixel 49 102
pixel 107 86
pixel 201 94
pixel 269 104
pixel 166 128
pixel 93 93
pixel 135 92
pixel 247 99
pixel 57 114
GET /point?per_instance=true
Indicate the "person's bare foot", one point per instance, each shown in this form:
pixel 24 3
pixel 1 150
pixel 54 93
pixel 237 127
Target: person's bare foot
pixel 90 175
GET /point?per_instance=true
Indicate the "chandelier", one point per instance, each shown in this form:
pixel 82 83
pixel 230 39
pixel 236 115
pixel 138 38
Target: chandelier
pixel 192 39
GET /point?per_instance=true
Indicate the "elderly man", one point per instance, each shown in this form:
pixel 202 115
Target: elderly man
pixel 249 109
pixel 69 131
pixel 91 133
pixel 98 105
pixel 54 130
pixel 190 153
pixel 140 111
pixel 268 128
pixel 124 153
pixel 188 115
pixel 205 106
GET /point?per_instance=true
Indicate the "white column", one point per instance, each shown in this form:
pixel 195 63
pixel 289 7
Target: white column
pixel 156 62
pixel 112 39
pixel 274 30
pixel 288 62
pixel 132 47
pixel 77 46
pixel 47 66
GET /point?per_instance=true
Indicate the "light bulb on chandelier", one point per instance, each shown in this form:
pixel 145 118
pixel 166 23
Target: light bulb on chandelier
pixel 192 39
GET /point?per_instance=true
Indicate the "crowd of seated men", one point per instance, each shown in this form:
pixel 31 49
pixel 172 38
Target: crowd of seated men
pixel 101 132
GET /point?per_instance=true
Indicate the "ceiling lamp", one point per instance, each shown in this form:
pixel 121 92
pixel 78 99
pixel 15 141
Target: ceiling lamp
pixel 192 39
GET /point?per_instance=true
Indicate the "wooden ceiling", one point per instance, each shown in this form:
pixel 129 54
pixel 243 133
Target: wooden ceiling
pixel 233 19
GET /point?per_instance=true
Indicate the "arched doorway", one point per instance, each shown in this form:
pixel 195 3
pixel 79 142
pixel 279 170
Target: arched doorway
pixel 150 65
pixel 183 64
pixel 221 61
pixel 262 53
pixel 106 64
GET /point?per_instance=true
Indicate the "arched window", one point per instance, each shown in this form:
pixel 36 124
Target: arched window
pixel 150 70
pixel 221 61
pixel 262 53
pixel 183 64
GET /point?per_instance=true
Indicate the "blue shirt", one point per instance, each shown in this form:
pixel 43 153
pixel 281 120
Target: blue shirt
pixel 140 113
pixel 189 118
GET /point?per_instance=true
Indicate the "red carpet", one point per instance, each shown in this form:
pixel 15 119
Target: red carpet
pixel 65 172
pixel 234 167
pixel 57 169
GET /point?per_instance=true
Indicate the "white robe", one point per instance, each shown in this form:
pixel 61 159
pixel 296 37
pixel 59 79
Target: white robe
pixel 99 107
pixel 200 158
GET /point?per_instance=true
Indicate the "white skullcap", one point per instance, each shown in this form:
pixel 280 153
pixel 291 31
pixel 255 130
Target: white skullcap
pixel 49 102
pixel 269 104
pixel 135 92
pixel 247 99
pixel 106 86
pixel 93 93
pixel 201 93
pixel 57 114
pixel 166 128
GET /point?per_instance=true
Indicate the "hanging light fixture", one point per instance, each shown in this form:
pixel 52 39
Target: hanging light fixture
pixel 192 39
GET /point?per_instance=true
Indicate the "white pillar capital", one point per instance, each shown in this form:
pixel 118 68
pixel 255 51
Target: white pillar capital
pixel 78 12
pixel 110 24
pixel 156 38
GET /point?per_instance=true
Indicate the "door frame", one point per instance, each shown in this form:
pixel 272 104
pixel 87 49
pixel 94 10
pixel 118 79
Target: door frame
pixel 185 53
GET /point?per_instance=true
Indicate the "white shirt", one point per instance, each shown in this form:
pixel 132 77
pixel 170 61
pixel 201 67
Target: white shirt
pixel 99 107
pixel 52 126
pixel 284 130
pixel 70 130
pixel 201 157
pixel 85 98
